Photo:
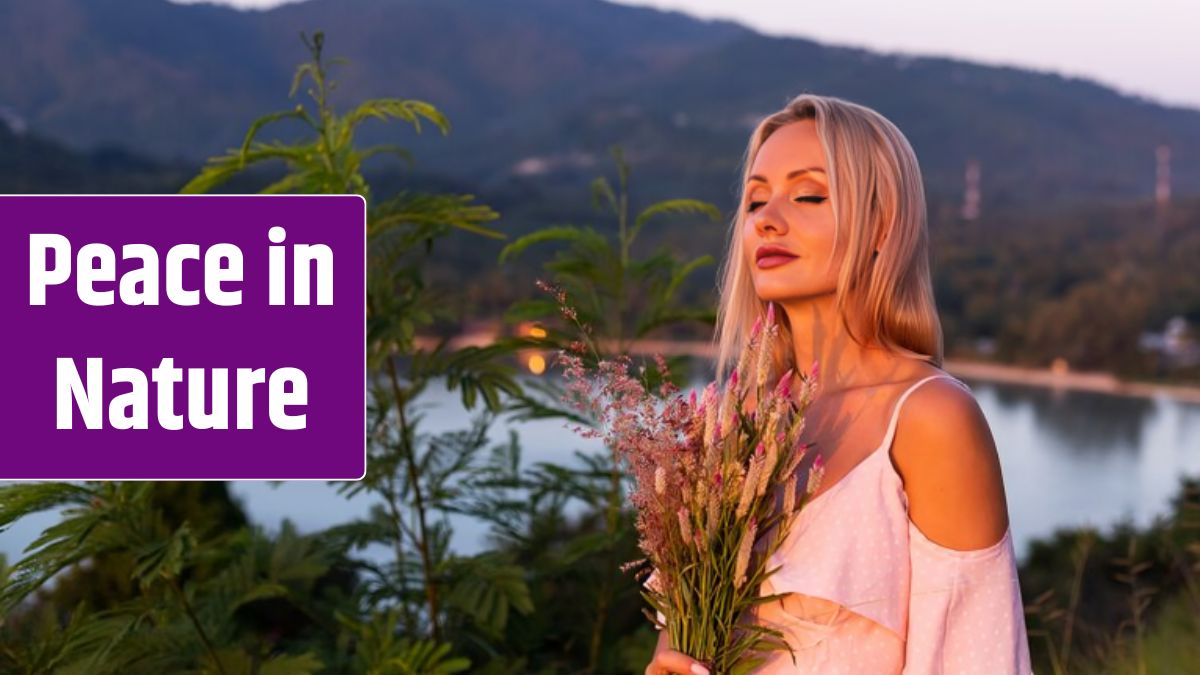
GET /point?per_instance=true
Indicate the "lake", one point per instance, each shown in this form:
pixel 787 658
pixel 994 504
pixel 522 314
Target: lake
pixel 1069 458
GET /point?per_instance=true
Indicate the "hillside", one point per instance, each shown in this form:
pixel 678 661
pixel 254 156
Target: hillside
pixel 545 86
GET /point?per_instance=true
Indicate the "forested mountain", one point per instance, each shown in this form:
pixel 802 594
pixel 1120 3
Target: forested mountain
pixel 1067 258
pixel 537 89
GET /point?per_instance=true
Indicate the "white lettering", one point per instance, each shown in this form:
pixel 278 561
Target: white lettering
pixel 88 275
pixel 279 398
pixel 323 256
pixel 95 263
pixel 130 410
pixel 175 257
pixel 134 400
pixel 246 379
pixel 146 275
pixel 215 274
pixel 39 276
pixel 70 386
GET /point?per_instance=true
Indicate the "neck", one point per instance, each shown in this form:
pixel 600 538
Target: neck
pixel 818 334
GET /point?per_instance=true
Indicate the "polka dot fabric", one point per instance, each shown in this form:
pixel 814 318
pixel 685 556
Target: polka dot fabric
pixel 875 595
pixel 904 604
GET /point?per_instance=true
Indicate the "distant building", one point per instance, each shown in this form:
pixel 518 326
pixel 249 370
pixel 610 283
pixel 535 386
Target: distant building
pixel 538 165
pixel 1177 343
pixel 985 346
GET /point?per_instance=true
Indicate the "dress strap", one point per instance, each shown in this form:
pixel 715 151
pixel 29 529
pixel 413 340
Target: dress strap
pixel 891 431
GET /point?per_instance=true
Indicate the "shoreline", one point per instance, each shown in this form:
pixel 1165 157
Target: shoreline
pixel 1106 383
pixel 1102 382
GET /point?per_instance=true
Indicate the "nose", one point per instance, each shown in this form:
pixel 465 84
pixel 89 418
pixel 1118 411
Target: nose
pixel 768 219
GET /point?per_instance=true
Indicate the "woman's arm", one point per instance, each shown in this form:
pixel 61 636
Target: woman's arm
pixel 945 454
pixel 965 608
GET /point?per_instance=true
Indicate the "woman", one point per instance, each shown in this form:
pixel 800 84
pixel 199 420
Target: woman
pixel 902 560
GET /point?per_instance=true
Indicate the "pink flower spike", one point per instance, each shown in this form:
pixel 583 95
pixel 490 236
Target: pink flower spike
pixel 818 461
pixel 717 430
pixel 760 449
pixel 784 388
pixel 717 479
pixel 770 314
pixel 733 380
pixel 814 370
pixel 754 331
pixel 692 399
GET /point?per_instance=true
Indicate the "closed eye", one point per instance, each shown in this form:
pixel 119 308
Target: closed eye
pixel 811 199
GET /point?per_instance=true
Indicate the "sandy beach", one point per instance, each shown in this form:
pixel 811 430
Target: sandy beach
pixel 980 370
pixel 1046 377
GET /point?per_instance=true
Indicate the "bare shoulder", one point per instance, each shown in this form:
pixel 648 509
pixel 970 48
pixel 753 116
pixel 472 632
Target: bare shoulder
pixel 947 458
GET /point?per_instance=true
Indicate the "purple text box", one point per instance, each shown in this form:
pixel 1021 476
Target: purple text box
pixel 326 342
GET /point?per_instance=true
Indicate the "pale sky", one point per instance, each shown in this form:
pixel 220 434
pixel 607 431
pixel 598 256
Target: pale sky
pixel 1148 48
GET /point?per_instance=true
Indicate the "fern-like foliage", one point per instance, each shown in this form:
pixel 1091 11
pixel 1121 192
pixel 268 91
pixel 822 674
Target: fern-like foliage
pixel 381 650
pixel 205 602
pixel 616 296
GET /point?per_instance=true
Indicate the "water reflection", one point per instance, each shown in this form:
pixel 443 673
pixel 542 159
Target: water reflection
pixel 1069 458
pixel 1085 422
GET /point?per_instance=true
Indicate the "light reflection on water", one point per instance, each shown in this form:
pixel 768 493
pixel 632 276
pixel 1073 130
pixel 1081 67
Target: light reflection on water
pixel 1069 458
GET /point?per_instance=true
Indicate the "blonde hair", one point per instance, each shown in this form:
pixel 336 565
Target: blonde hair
pixel 875 188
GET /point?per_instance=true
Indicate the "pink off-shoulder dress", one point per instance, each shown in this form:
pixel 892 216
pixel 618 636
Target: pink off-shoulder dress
pixel 878 596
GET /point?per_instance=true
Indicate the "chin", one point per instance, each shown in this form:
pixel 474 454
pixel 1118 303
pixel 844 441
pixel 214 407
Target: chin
pixel 780 295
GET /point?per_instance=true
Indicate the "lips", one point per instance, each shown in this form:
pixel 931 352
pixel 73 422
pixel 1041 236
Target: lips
pixel 772 256
pixel 772 251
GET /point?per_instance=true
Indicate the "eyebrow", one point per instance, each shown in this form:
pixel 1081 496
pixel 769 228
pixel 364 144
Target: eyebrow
pixel 797 172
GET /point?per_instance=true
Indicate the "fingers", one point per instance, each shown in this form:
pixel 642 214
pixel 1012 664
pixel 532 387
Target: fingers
pixel 669 661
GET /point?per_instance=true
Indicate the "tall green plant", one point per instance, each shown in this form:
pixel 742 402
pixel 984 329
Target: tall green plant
pixel 204 601
pixel 623 298
pixel 411 475
pixel 617 299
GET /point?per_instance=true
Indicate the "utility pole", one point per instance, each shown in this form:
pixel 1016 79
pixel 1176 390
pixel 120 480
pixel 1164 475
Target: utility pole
pixel 1162 184
pixel 971 194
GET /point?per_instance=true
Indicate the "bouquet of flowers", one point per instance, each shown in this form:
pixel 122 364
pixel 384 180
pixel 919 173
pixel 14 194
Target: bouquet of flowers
pixel 708 478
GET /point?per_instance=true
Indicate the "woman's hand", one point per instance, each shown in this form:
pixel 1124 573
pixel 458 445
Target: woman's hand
pixel 668 661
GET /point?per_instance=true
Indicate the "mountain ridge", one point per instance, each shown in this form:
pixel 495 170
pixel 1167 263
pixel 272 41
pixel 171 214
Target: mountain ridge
pixel 536 90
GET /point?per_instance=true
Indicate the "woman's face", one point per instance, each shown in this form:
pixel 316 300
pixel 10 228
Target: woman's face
pixel 787 206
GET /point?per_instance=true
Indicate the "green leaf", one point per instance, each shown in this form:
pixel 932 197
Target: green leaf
pixel 705 316
pixel 411 208
pixel 289 183
pixel 391 150
pixel 674 206
pixel 304 69
pixel 683 273
pixel 487 587
pixel 530 309
pixel 218 170
pixel 394 108
pixel 602 190
pixel 23 499
pixel 570 233
pixel 258 124
pixel 298 664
